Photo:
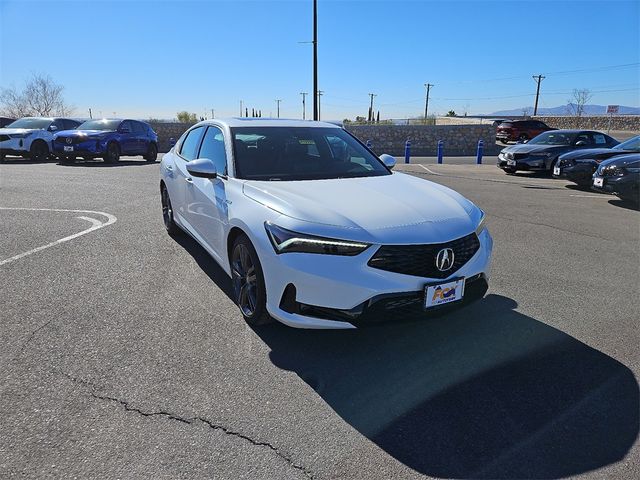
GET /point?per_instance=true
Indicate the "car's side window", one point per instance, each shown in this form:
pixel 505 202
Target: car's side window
pixel 59 125
pixel 70 124
pixel 190 144
pixel 213 149
pixel 126 126
pixel 138 127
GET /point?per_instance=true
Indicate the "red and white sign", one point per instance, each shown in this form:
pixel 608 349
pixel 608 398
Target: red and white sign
pixel 612 109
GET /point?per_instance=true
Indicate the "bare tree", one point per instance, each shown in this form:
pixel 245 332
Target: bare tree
pixel 576 104
pixel 526 111
pixel 41 96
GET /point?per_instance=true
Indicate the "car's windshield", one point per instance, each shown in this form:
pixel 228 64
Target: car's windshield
pixel 553 138
pixel 631 145
pixel 35 123
pixel 99 125
pixel 301 153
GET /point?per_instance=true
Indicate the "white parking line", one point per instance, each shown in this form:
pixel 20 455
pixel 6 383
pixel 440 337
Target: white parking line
pixel 592 196
pixel 95 225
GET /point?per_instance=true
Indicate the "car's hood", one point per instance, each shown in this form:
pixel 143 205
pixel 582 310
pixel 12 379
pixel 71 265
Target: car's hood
pixel 526 148
pixel 394 208
pixel 83 133
pixel 622 160
pixel 16 131
pixel 590 153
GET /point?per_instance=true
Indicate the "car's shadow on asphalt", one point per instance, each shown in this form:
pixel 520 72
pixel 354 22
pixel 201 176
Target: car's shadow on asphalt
pixel 102 164
pixel 625 204
pixel 485 392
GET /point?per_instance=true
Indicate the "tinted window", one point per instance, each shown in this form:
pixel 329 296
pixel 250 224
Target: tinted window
pixel 213 149
pixel 126 125
pixel 138 127
pixel 60 125
pixel 70 124
pixel 34 123
pixel 553 137
pixel 189 147
pixel 586 138
pixel 301 153
pixel 631 145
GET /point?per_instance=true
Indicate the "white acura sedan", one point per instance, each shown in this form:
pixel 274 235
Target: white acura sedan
pixel 315 230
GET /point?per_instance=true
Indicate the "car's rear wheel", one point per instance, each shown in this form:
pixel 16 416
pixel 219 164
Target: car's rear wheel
pixel 112 155
pixel 523 137
pixel 152 153
pixel 167 212
pixel 39 151
pixel 248 282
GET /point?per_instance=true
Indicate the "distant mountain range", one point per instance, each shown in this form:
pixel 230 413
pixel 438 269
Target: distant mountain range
pixel 564 110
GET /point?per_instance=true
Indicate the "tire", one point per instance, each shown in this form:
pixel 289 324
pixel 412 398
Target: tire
pixel 250 295
pixel 152 153
pixel 112 155
pixel 39 151
pixel 2 158
pixel 167 212
pixel 510 171
pixel 551 165
pixel 523 137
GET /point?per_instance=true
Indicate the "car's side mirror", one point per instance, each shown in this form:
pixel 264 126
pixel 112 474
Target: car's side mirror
pixel 522 141
pixel 202 167
pixel 581 143
pixel 388 160
pixel 53 128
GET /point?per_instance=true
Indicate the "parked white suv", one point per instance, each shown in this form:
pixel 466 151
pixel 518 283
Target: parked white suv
pixel 32 137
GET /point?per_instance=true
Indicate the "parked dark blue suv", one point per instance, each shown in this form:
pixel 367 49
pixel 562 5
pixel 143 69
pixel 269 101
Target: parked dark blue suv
pixel 107 138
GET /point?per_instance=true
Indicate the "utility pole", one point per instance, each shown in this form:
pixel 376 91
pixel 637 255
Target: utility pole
pixel 371 106
pixel 316 92
pixel 426 101
pixel 90 116
pixel 320 93
pixel 304 107
pixel 240 108
pixel 213 113
pixel 539 79
pixel 278 104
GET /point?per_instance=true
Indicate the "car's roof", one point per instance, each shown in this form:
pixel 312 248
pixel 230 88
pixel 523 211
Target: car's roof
pixel 572 130
pixel 267 122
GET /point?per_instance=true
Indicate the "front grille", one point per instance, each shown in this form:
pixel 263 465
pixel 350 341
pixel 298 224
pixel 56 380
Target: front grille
pixel 520 156
pixel 420 260
pixel 4 138
pixel 74 140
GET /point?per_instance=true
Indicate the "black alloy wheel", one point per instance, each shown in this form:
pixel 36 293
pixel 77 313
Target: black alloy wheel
pixel 152 153
pixel 39 151
pixel 248 282
pixel 167 212
pixel 113 153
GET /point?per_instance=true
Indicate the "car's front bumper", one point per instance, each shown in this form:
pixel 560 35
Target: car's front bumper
pixel 578 173
pixel 89 148
pixel 528 163
pixel 344 292
pixel 15 146
pixel 624 185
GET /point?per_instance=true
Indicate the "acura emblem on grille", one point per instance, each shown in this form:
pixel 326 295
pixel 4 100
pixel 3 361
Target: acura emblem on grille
pixel 444 259
pixel 69 140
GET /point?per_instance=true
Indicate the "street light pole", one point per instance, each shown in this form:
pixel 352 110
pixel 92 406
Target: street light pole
pixel 371 106
pixel 316 92
pixel 320 93
pixel 304 107
pixel 240 108
pixel 278 104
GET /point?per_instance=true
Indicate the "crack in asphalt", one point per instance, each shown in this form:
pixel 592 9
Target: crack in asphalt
pixel 31 336
pixel 188 420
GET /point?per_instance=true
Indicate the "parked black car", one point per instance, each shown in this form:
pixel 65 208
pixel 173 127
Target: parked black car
pixel 620 175
pixel 543 151
pixel 580 165
pixel 4 121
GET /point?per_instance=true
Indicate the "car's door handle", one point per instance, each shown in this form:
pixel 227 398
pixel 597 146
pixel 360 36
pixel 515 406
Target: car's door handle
pixel 188 179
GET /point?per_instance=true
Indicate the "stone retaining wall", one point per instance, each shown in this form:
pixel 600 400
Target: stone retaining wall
pixel 167 130
pixel 628 123
pixel 459 140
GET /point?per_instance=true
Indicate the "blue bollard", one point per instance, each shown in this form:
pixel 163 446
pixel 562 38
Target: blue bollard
pixel 440 149
pixel 407 152
pixel 479 154
pixel 368 144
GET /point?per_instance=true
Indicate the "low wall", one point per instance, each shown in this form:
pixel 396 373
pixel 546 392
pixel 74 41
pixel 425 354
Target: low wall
pixel 167 130
pixel 458 139
pixel 628 123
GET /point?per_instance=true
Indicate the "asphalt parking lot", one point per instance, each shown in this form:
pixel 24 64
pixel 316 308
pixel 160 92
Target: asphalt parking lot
pixel 123 355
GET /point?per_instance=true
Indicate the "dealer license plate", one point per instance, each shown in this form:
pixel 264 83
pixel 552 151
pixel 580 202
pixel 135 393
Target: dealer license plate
pixel 68 149
pixel 441 293
pixel 556 170
pixel 598 181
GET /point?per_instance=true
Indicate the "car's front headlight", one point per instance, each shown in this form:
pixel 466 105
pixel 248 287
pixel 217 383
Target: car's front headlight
pixel 287 241
pixel 21 135
pixel 481 225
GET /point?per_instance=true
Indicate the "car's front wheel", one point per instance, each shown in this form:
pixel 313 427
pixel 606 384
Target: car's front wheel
pixel 112 155
pixel 167 212
pixel 248 282
pixel 39 151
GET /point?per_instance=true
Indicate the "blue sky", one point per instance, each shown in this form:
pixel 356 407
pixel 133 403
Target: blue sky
pixel 153 58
